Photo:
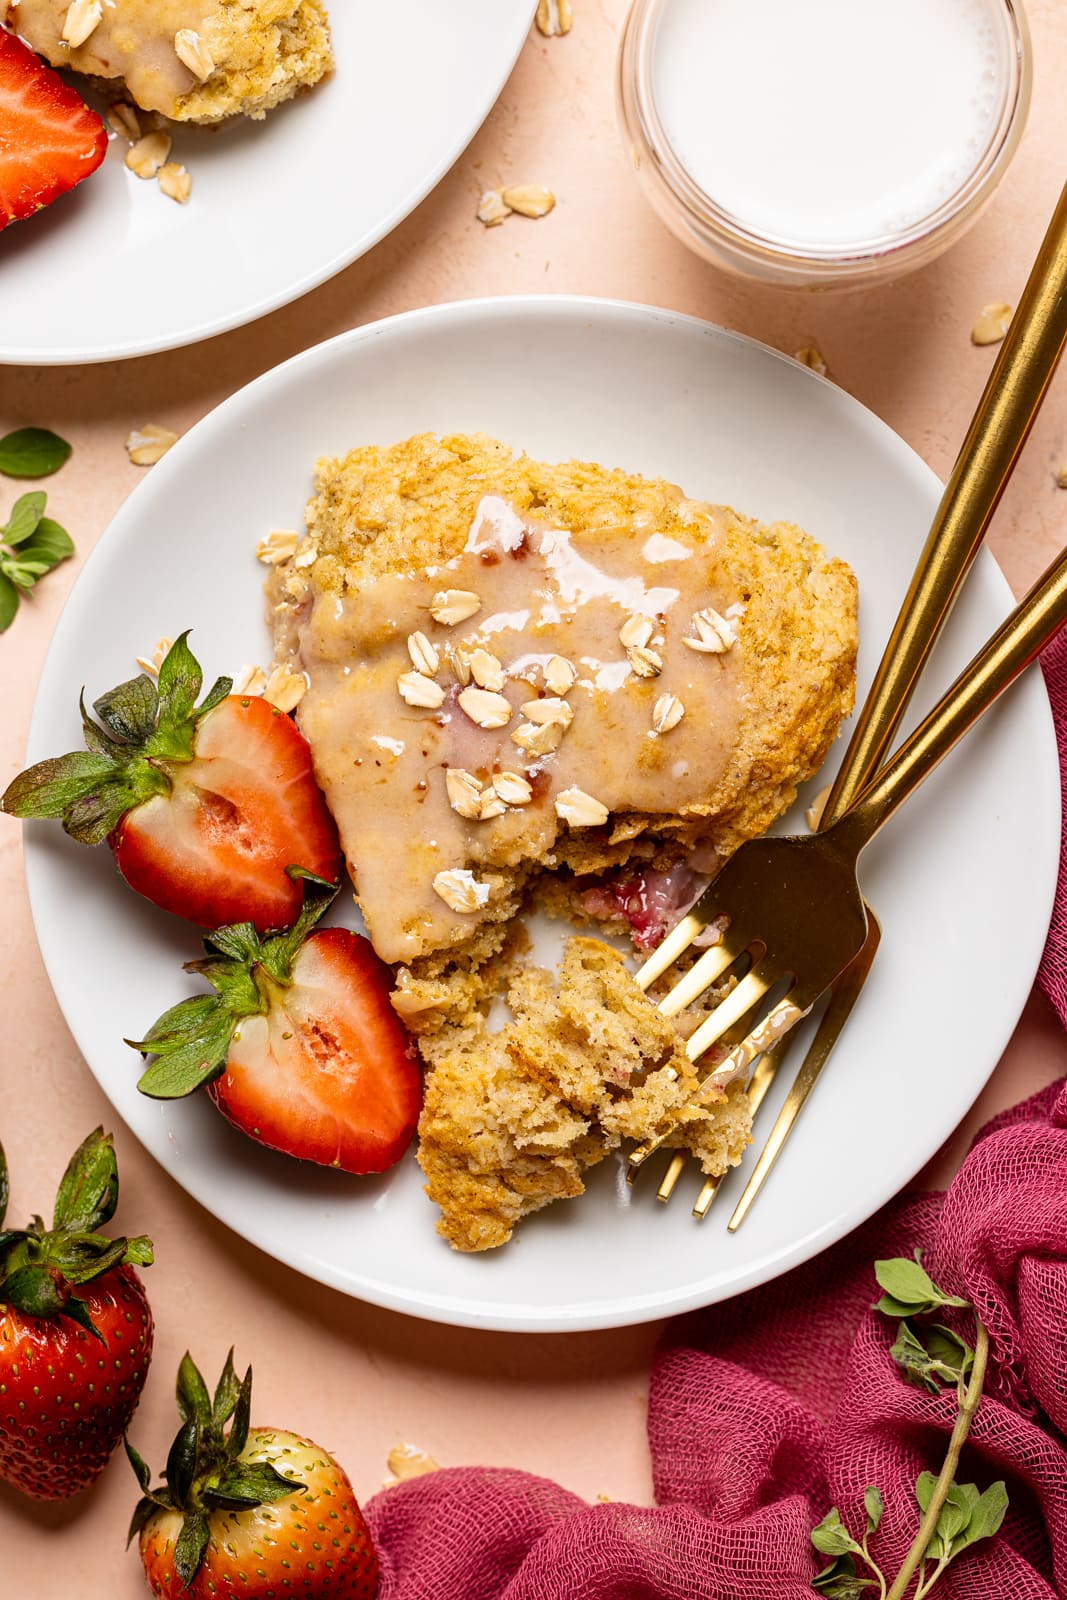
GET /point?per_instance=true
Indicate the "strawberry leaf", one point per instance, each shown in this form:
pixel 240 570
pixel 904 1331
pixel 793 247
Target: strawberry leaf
pixel 84 1256
pixel 191 1545
pixel 187 1055
pixel 50 787
pixel 182 1460
pixel 130 709
pixel 139 1251
pixel 32 453
pixel 194 1404
pixel 89 1189
pixel 5 1189
pixel 242 1416
pixel 227 1393
pixel 140 1467
pixel 251 1483
pixel 179 683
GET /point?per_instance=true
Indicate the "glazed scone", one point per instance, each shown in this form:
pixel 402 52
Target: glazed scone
pixel 190 60
pixel 545 681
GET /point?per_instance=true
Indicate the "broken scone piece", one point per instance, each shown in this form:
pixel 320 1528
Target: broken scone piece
pixel 557 683
pixel 190 60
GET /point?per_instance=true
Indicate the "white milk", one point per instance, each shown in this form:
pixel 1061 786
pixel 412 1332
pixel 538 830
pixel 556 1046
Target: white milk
pixel 830 123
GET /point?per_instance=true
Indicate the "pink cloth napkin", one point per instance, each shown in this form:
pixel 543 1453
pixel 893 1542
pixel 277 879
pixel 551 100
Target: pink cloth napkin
pixel 767 1410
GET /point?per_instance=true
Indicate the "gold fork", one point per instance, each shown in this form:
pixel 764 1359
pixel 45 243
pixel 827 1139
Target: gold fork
pixel 793 906
pixel 1001 424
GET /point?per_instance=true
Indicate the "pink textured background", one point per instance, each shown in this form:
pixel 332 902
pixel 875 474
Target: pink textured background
pixel 355 1378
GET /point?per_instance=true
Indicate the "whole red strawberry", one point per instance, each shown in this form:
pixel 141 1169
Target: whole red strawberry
pixel 204 807
pixel 254 1512
pixel 299 1046
pixel 75 1332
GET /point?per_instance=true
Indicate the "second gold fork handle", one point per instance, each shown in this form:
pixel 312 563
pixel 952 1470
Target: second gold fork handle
pixel 1036 619
pixel 1001 424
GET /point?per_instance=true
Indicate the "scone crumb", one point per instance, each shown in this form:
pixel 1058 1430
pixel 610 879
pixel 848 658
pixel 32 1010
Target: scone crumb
pixel 145 446
pixel 579 809
pixel 145 158
pixel 554 18
pixel 1061 477
pixel 175 182
pixel 992 323
pixel 460 889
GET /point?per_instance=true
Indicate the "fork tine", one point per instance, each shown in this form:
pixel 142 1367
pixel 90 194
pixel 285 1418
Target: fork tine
pixel 672 1174
pixel 712 964
pixel 759 1084
pixel 781 1017
pixel 675 944
pixel 748 993
pixel 843 997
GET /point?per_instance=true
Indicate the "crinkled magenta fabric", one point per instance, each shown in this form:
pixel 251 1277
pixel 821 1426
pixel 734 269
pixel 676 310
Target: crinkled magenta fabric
pixel 767 1410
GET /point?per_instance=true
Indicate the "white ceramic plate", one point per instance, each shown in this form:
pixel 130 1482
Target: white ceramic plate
pixel 116 269
pixel 974 852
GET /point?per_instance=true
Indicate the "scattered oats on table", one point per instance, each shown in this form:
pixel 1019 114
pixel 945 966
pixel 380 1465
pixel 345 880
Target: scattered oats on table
pixel 408 1461
pixel 554 17
pixel 1061 477
pixel 151 664
pixel 992 323
pixel 145 446
pixel 811 356
pixel 491 208
pixel 529 199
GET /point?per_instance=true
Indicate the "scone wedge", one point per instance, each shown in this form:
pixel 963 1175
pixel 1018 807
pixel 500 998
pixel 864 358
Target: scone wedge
pixel 563 684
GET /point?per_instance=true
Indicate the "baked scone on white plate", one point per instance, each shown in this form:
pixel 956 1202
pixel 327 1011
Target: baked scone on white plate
pixel 189 60
pixel 556 685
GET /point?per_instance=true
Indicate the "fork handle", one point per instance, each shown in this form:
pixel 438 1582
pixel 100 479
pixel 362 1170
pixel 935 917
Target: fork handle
pixel 998 431
pixel 1035 620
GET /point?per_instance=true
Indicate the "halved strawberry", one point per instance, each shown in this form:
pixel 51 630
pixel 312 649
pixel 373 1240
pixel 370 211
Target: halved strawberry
pixel 299 1045
pixel 203 806
pixel 49 138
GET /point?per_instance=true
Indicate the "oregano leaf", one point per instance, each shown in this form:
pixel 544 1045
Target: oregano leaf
pixel 9 602
pixel 32 453
pixel 831 1538
pixel 909 1287
pixel 875 1506
pixel 26 513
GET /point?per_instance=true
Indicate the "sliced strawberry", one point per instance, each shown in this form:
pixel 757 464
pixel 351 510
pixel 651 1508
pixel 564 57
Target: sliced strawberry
pixel 49 138
pixel 299 1045
pixel 204 807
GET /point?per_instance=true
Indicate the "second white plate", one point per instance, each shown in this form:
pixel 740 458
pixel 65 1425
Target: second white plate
pixel 116 269
pixel 974 852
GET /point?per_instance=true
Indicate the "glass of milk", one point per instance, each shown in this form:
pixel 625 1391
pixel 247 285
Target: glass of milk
pixel 822 143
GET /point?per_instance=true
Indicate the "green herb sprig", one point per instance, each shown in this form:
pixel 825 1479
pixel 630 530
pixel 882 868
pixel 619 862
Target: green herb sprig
pixel 32 453
pixel 953 1516
pixel 31 544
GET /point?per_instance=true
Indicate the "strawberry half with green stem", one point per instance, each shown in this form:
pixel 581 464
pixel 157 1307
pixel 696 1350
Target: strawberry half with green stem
pixel 75 1331
pixel 203 806
pixel 49 138
pixel 299 1045
pixel 255 1512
